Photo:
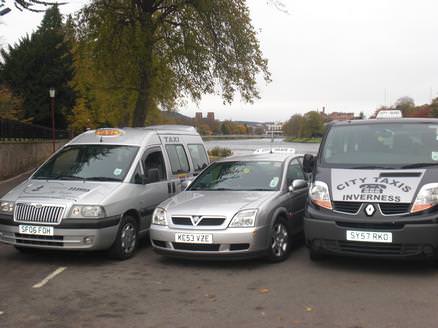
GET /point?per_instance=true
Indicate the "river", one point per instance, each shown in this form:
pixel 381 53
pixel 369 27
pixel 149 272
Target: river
pixel 247 146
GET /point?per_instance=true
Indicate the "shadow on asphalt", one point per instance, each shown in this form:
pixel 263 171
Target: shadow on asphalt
pixel 410 267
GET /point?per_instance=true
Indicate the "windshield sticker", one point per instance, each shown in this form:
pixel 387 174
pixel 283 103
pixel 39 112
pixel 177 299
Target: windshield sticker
pixel 117 172
pixel 274 182
pixel 375 186
pixel 435 156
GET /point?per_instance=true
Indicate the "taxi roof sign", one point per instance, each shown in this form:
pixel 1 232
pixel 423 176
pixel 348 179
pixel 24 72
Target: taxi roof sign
pixel 109 132
pixel 275 150
pixel 388 114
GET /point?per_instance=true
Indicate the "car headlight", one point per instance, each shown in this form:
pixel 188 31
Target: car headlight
pixel 319 195
pixel 87 211
pixel 244 219
pixel 427 197
pixel 7 207
pixel 159 217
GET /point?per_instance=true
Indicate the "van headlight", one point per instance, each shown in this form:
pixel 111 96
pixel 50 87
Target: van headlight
pixel 159 217
pixel 427 198
pixel 319 195
pixel 87 211
pixel 7 207
pixel 244 219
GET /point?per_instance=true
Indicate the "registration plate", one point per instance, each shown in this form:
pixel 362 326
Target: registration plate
pixel 195 238
pixel 369 236
pixel 35 230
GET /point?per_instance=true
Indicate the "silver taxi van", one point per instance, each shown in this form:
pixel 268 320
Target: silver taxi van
pixel 242 206
pixel 99 191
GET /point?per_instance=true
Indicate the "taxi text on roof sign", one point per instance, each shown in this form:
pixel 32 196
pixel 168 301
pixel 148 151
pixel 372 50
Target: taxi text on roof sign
pixel 389 114
pixel 109 132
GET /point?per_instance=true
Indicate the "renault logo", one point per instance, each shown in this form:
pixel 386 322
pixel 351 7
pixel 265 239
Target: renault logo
pixel 369 210
pixel 196 219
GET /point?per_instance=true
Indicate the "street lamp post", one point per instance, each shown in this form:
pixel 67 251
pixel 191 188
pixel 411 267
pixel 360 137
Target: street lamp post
pixel 52 93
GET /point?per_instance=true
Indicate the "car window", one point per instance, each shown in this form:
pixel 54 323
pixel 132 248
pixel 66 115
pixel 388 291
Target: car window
pixel 199 156
pixel 178 159
pixel 155 160
pixel 294 171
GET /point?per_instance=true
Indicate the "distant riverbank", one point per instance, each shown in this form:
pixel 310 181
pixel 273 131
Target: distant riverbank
pixel 303 140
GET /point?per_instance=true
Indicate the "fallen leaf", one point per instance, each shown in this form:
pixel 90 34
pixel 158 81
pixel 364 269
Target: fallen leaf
pixel 309 309
pixel 263 290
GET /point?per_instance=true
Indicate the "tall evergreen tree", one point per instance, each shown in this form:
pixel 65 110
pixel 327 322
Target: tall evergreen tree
pixel 37 63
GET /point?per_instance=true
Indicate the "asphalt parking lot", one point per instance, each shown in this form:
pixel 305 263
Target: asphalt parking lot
pixel 88 290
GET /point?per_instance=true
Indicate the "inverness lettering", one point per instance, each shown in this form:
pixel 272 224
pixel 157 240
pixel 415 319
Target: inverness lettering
pixel 371 197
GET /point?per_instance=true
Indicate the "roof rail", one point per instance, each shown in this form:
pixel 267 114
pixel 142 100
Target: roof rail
pixel 176 127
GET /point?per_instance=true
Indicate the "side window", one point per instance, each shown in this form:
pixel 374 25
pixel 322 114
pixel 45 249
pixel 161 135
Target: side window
pixel 155 161
pixel 137 177
pixel 294 171
pixel 178 159
pixel 199 156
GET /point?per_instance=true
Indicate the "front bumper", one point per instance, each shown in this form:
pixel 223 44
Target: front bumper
pixel 228 243
pixel 70 234
pixel 410 240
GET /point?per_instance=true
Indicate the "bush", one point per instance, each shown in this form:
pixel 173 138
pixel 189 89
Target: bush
pixel 220 152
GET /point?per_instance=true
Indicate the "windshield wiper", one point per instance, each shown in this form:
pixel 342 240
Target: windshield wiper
pixel 102 179
pixel 418 165
pixel 66 177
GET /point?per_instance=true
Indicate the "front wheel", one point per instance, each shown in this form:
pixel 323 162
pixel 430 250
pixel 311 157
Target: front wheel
pixel 280 241
pixel 126 241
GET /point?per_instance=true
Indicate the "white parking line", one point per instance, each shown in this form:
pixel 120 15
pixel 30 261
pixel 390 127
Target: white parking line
pixel 49 277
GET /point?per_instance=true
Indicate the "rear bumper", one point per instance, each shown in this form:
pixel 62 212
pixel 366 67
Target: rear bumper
pixel 408 241
pixel 71 234
pixel 235 243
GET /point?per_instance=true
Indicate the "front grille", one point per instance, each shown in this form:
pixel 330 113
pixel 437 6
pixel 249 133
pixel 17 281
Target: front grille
pixel 347 207
pixel 31 213
pixel 366 248
pixel 181 221
pixel 197 247
pixel 377 226
pixel 211 221
pixel 204 221
pixel 394 208
pixel 39 240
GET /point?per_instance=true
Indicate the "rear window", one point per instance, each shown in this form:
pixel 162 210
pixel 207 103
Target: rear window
pixel 199 156
pixel 178 159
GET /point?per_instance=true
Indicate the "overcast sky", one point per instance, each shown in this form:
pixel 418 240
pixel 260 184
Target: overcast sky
pixel 342 54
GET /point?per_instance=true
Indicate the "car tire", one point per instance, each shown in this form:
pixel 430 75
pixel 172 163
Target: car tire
pixel 281 241
pixel 126 241
pixel 316 256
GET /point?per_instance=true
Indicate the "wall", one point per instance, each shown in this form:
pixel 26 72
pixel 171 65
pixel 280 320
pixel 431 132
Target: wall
pixel 19 157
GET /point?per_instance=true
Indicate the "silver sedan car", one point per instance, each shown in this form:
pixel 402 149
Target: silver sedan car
pixel 242 206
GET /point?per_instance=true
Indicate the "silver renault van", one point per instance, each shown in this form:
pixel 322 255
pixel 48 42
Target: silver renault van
pixel 99 191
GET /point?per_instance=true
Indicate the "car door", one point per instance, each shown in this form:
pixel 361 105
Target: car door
pixel 298 198
pixel 151 176
pixel 179 167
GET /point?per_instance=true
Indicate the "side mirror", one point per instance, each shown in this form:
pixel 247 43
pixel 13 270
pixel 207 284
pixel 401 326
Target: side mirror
pixel 153 176
pixel 308 163
pixel 298 184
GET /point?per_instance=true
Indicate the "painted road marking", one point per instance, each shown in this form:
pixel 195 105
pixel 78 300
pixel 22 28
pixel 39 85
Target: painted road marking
pixel 49 277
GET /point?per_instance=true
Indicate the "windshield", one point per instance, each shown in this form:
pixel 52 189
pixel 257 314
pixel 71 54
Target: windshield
pixel 255 176
pixel 89 162
pixel 391 145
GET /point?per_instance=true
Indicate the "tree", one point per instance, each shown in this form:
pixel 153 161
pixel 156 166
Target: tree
pixel 172 49
pixel 29 5
pixel 406 105
pixel 434 107
pixel 294 127
pixel 11 107
pixel 313 125
pixel 37 63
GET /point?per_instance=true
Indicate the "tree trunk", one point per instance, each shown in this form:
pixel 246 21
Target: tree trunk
pixel 143 100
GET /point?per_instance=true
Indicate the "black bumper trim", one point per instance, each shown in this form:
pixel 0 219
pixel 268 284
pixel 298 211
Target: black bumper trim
pixel 71 223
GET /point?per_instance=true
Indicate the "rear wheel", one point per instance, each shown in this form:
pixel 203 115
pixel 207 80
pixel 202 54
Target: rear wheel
pixel 126 241
pixel 280 241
